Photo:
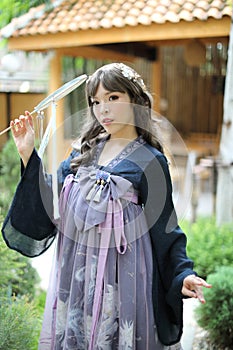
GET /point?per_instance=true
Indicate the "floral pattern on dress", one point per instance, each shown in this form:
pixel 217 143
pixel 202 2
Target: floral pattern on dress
pixel 62 308
pixel 109 323
pixel 126 335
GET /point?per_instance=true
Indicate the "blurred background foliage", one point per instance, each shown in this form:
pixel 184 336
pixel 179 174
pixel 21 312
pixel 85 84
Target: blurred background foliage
pixel 21 298
pixel 209 245
pixel 9 174
pixel 216 316
pixel 10 9
pixel 211 248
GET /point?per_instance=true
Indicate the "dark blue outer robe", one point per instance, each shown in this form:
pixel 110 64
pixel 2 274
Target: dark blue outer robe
pixel 30 229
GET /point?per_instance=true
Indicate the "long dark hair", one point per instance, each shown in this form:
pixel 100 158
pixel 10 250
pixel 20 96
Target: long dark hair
pixel 121 78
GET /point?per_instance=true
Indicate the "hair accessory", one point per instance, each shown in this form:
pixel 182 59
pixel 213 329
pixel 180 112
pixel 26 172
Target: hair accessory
pixel 130 74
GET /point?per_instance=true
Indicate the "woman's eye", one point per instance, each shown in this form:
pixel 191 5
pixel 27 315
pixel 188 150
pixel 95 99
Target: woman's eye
pixel 95 103
pixel 113 98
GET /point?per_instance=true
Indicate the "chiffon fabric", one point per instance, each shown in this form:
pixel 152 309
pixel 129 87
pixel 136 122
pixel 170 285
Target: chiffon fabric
pixel 100 294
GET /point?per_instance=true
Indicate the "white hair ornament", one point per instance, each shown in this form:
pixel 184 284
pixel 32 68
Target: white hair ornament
pixel 132 75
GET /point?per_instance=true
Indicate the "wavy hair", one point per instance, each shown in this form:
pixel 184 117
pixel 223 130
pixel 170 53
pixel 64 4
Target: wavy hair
pixel 117 77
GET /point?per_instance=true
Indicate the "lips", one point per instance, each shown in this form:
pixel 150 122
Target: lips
pixel 107 121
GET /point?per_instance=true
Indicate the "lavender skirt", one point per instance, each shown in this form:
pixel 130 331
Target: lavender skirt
pixel 100 294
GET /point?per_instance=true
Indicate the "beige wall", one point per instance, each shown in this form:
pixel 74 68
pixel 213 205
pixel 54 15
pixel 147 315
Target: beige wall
pixel 18 104
pixel 22 102
pixel 3 118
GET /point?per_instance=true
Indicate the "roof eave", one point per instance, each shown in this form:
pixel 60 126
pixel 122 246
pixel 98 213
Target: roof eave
pixel 212 28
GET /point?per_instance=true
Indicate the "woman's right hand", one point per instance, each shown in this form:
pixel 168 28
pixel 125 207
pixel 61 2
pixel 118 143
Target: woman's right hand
pixel 24 136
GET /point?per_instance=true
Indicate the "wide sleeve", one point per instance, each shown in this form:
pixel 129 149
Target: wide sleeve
pixel 29 227
pixel 171 264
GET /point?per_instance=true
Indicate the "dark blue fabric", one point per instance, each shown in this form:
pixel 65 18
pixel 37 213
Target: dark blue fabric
pixel 64 168
pixel 147 169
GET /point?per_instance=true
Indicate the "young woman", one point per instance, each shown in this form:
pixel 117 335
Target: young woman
pixel 121 269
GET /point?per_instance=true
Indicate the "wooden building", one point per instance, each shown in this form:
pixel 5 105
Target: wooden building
pixel 180 48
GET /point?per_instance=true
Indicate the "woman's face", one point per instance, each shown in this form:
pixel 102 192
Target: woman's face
pixel 114 111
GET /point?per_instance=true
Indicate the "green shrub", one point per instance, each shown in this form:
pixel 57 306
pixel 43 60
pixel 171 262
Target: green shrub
pixel 40 300
pixel 19 324
pixel 17 272
pixel 216 316
pixel 209 246
pixel 20 317
pixel 9 174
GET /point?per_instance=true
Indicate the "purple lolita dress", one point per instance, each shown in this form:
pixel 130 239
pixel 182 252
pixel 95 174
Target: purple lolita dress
pixel 100 297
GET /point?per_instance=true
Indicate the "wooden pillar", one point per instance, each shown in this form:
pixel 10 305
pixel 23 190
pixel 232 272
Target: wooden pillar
pixel 224 199
pixel 55 82
pixel 5 116
pixel 156 81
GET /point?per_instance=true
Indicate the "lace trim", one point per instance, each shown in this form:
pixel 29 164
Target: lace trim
pixel 132 146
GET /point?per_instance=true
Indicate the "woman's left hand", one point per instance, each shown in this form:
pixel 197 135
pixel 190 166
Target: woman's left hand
pixel 192 287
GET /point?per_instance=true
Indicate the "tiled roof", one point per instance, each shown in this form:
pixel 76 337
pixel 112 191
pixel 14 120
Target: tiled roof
pixel 75 15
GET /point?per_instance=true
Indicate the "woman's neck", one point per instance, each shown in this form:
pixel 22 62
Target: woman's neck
pixel 128 133
pixel 113 147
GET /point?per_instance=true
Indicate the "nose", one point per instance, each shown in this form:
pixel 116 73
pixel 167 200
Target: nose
pixel 104 108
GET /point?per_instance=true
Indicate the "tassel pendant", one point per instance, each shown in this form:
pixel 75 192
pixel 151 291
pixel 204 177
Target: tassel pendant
pixel 98 192
pixel 102 178
pixel 91 193
pixel 97 195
